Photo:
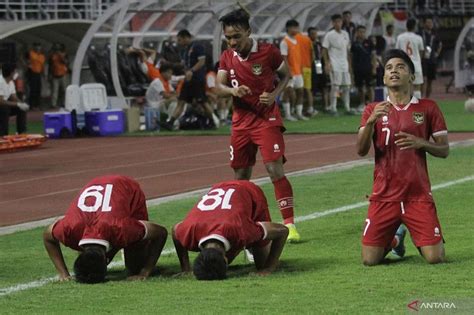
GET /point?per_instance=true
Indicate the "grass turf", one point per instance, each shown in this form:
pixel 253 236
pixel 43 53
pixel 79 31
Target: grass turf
pixel 457 120
pixel 323 274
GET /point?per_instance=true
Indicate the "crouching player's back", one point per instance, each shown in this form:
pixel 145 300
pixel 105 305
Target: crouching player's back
pixel 109 214
pixel 232 216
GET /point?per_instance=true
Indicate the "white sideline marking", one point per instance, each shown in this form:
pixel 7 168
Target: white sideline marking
pixel 314 215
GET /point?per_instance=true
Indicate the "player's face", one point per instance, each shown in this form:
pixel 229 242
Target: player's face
pixel 167 74
pixel 337 24
pixel 313 35
pixel 397 74
pixel 429 24
pixel 361 33
pixel 292 31
pixel 237 38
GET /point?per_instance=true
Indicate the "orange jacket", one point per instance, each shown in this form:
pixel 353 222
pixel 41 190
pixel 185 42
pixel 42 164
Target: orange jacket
pixel 294 56
pixel 58 65
pixel 306 50
pixel 37 61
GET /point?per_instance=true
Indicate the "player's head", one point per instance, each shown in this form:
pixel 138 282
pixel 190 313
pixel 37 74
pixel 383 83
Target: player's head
pixel 399 70
pixel 166 71
pixel 411 24
pixel 347 16
pixel 292 27
pixel 91 264
pixel 313 33
pixel 184 38
pixel 360 32
pixel 389 29
pixel 8 69
pixel 211 263
pixel 336 20
pixel 428 23
pixel 37 46
pixel 237 30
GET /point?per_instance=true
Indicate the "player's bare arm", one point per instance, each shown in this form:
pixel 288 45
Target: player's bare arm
pixel 189 73
pixel 54 251
pixel 156 236
pixel 223 90
pixel 364 138
pixel 438 148
pixel 182 253
pixel 277 234
pixel 268 98
pixel 327 62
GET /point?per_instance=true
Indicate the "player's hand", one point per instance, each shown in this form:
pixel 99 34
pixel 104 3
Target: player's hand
pixel 407 141
pixel 23 106
pixel 137 278
pixel 65 278
pixel 183 274
pixel 267 98
pixel 188 75
pixel 261 273
pixel 241 91
pixel 381 109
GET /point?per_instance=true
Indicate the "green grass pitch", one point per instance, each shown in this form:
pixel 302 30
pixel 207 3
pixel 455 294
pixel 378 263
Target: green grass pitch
pixel 321 275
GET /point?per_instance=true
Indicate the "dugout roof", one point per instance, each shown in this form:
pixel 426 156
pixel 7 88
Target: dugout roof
pixel 136 21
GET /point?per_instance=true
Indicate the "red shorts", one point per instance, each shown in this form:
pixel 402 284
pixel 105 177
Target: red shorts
pixel 384 218
pixel 245 143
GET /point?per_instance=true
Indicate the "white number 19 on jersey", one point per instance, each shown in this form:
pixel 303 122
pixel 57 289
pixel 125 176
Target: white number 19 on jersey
pixel 219 197
pixel 102 200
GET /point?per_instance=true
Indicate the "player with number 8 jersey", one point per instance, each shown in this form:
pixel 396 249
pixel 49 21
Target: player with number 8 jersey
pixel 254 74
pixel 108 214
pixel 232 216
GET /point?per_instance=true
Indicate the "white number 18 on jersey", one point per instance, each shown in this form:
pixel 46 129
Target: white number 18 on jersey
pixel 219 197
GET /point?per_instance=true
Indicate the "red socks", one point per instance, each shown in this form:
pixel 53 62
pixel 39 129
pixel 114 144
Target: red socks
pixel 284 197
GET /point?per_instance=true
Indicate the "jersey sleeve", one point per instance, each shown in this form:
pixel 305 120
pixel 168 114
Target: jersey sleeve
pixel 326 43
pixel 366 114
pixel 223 62
pixel 284 48
pixel 437 123
pixel 67 234
pixel 276 59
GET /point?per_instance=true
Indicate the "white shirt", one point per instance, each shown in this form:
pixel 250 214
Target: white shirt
pixel 390 42
pixel 154 93
pixel 412 44
pixel 284 45
pixel 6 89
pixel 338 45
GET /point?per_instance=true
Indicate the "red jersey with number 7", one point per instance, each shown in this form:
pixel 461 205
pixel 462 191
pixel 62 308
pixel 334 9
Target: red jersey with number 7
pixel 258 72
pixel 107 211
pixel 402 175
pixel 230 212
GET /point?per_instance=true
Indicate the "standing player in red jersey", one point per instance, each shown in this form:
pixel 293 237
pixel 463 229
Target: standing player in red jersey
pixel 232 216
pixel 109 214
pixel 247 72
pixel 400 129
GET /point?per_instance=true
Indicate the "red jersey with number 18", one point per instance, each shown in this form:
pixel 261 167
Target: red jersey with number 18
pixel 402 175
pixel 106 212
pixel 230 212
pixel 258 72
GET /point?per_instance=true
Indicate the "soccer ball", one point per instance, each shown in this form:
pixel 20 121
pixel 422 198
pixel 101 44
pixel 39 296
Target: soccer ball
pixel 469 105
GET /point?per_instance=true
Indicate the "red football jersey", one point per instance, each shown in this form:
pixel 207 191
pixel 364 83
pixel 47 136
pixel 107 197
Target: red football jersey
pixel 258 72
pixel 107 212
pixel 230 212
pixel 402 175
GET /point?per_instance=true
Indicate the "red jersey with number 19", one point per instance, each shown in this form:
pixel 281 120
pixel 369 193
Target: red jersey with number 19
pixel 402 175
pixel 258 72
pixel 230 212
pixel 106 212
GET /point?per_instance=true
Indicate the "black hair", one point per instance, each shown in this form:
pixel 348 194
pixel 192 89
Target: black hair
pixel 8 69
pixel 428 17
pixel 347 12
pixel 335 17
pixel 291 23
pixel 210 264
pixel 389 26
pixel 90 266
pixel 411 23
pixel 397 53
pixel 311 28
pixel 360 27
pixel 166 67
pixel 184 33
pixel 237 18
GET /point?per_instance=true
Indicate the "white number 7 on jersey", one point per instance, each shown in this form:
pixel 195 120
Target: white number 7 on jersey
pixel 216 195
pixel 387 136
pixel 101 201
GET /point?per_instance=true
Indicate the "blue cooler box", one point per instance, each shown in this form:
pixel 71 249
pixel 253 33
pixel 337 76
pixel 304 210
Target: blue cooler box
pixel 105 122
pixel 59 124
